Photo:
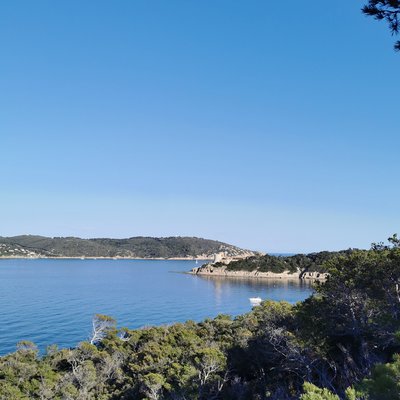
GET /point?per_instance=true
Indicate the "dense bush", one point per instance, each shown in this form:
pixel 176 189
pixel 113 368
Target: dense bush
pixel 340 343
pixel 312 262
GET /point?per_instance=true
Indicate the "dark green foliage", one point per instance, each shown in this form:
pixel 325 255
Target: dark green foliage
pixel 340 343
pixel 313 262
pixel 312 392
pixel 387 10
pixel 141 247
pixel 384 383
pixel 261 263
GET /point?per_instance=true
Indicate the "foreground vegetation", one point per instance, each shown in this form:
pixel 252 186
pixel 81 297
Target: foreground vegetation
pixel 340 343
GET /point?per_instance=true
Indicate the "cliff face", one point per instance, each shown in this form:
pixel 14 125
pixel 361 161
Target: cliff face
pixel 222 270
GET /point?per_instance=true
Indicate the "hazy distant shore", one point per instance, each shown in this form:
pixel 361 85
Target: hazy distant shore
pixel 106 258
pixel 134 248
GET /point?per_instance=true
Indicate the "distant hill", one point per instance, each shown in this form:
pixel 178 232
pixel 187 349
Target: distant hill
pixel 135 247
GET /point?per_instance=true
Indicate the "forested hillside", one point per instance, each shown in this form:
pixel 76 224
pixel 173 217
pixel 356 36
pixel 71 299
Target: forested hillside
pixel 312 262
pixel 341 343
pixel 142 247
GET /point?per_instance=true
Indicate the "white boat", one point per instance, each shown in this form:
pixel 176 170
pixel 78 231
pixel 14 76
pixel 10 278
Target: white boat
pixel 255 301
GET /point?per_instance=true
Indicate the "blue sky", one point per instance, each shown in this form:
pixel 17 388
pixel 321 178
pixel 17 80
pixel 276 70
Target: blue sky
pixel 270 125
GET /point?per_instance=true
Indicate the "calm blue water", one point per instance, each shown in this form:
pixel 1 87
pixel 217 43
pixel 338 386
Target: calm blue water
pixel 53 301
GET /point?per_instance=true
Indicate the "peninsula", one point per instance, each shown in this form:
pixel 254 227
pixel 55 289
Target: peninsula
pixel 299 266
pixel 31 246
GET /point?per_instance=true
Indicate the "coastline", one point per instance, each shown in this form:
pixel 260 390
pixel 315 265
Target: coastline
pixel 205 270
pixel 106 258
pixel 210 270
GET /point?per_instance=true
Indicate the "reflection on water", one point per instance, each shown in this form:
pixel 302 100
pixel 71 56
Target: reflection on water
pixel 264 283
pixel 53 301
pixel 291 290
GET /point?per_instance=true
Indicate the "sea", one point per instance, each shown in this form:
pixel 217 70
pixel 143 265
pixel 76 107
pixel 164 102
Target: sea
pixel 53 301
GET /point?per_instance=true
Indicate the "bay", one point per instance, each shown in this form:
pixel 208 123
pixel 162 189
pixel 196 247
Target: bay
pixel 50 301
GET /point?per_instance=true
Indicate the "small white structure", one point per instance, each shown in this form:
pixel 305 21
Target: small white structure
pixel 218 257
pixel 255 301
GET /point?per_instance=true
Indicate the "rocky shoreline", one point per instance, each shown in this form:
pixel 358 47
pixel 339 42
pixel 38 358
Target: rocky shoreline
pixel 211 270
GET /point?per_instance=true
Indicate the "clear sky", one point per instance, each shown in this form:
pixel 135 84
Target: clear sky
pixel 270 125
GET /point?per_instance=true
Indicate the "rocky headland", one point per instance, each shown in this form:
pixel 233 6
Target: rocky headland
pixel 311 266
pixel 222 271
